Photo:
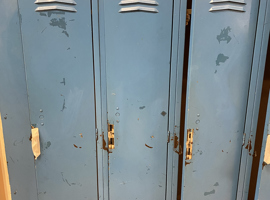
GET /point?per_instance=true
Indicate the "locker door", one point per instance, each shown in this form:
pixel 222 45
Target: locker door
pixel 222 40
pixel 57 44
pixel 136 58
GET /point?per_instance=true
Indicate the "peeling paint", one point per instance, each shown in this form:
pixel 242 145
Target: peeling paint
pixel 221 58
pixel 175 145
pixel 104 145
pixel 224 35
pixel 42 14
pixel 55 12
pixel 208 193
pixel 249 146
pixel 163 113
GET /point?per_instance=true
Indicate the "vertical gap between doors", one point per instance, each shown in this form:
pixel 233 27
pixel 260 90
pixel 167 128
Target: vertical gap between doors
pixel 183 103
pixel 260 127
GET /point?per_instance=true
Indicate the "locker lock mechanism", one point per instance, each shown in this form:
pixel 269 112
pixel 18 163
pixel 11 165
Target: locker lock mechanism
pixel 189 144
pixel 111 136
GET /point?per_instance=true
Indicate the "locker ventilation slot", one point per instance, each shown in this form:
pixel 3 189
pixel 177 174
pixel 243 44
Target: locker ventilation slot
pixel 231 5
pixel 63 8
pixel 233 1
pixel 227 7
pixel 138 8
pixel 56 1
pixel 60 5
pixel 138 1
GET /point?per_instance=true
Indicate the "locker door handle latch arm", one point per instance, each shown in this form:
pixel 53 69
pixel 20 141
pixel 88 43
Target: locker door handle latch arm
pixel 189 144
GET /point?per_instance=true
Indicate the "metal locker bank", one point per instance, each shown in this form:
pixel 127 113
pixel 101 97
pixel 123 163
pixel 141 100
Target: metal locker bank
pixel 129 100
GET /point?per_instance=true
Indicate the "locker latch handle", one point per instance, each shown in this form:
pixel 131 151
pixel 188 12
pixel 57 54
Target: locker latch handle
pixel 111 136
pixel 189 144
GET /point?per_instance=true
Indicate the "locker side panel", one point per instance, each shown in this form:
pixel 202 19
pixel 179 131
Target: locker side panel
pixel 222 37
pixel 59 68
pixel 14 105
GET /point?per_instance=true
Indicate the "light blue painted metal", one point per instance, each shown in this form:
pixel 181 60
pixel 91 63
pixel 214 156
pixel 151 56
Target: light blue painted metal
pixel 174 149
pixel 59 67
pixel 263 180
pixel 218 83
pixel 258 66
pixel 133 74
pixel 14 105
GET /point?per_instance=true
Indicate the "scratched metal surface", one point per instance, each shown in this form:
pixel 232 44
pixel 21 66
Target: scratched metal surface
pixel 59 67
pixel 14 105
pixel 137 57
pixel 218 82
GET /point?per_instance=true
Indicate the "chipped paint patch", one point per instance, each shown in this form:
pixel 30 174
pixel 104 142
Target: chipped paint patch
pixel 176 142
pixel 209 193
pixel 221 58
pixel 104 145
pixel 224 35
pixel 163 113
pixel 148 146
pixel 249 146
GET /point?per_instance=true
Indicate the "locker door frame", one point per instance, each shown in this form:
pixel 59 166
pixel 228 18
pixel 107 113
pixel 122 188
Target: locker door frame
pixel 254 98
pixel 177 52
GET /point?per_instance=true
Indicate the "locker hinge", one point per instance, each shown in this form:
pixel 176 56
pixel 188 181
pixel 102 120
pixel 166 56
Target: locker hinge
pixel 96 134
pixel 244 139
pixel 168 135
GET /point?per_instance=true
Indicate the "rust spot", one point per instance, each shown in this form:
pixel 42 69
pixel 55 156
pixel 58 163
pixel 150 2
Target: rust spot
pixel 222 151
pixel 104 145
pixel 178 152
pixel 230 141
pixel 148 146
pixel 249 146
pixel 75 145
pixel 187 163
pixel 152 136
pixel 263 164
pixel 175 145
pixel 81 135
pixel 255 154
pixel 163 113
pixel 30 138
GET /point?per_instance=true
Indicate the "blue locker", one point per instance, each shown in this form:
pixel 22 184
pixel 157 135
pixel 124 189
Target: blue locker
pixel 58 57
pixel 221 51
pixel 138 67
